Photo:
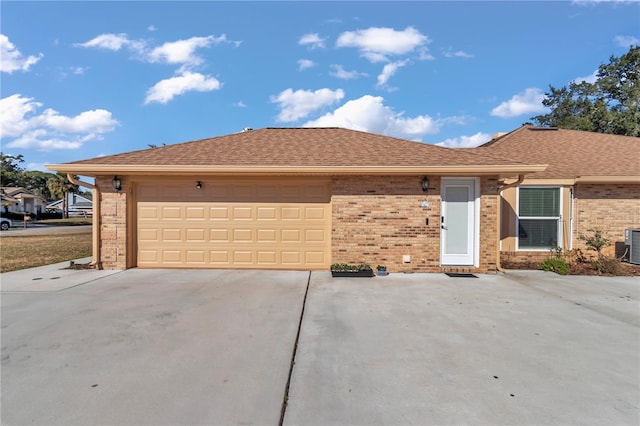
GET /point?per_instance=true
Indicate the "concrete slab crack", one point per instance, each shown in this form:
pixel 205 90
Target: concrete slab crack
pixel 285 399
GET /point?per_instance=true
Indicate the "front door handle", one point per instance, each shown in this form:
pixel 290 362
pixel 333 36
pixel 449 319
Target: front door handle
pixel 444 227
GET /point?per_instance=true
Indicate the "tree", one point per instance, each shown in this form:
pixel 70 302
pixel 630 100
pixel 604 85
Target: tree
pixel 59 186
pixel 11 170
pixel 611 104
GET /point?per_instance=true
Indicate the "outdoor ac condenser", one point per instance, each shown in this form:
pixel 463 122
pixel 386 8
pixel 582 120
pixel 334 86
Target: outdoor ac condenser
pixel 632 239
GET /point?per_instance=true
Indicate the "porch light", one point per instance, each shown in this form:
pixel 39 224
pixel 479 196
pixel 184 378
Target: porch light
pixel 425 184
pixel 117 183
pixel 198 185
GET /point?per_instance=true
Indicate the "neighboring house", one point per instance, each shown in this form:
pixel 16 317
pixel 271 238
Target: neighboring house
pixel 78 204
pixel 19 200
pixel 298 198
pixel 592 181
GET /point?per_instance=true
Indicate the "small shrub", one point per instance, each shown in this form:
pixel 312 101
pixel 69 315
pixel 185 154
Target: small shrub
pixel 557 265
pixel 607 266
pixel 596 241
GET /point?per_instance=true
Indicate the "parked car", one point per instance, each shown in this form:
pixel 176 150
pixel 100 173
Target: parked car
pixel 5 223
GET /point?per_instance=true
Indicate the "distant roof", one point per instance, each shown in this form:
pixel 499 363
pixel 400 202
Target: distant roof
pixel 332 149
pixel 570 154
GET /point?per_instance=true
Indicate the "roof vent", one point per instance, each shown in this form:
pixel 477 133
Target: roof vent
pixel 247 129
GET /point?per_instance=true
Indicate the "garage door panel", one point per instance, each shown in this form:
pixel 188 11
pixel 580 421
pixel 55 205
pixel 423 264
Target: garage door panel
pixel 267 258
pixel 267 235
pixel 172 213
pixel 172 256
pixel 242 236
pixel 243 257
pixel 219 213
pixel 291 236
pixel 243 213
pixel 195 234
pixel 195 213
pixel 286 226
pixel 172 234
pixel 314 213
pixel 219 235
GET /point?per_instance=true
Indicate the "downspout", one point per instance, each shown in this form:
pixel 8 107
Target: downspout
pixel 499 215
pixel 95 228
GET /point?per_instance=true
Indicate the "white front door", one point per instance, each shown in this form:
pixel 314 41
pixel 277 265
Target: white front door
pixel 458 221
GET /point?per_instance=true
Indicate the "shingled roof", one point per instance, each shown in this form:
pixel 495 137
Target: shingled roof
pixel 570 154
pixel 330 149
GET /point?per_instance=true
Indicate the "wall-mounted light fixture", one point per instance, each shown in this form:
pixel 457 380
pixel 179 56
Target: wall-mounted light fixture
pixel 198 185
pixel 425 184
pixel 117 183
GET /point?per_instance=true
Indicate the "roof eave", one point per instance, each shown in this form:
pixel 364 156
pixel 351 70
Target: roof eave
pixel 94 170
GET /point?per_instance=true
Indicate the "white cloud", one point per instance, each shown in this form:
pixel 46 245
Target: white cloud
pixel 388 71
pixel 301 103
pixel 303 64
pixel 591 78
pixel 240 104
pixel 313 41
pixel 183 51
pixel 369 114
pixel 40 167
pixel 339 72
pixel 527 102
pixel 50 129
pixel 179 52
pixel 457 54
pixel 165 90
pixel 626 40
pixel 12 60
pixel 152 28
pixel 378 44
pixel 466 141
pixel 113 42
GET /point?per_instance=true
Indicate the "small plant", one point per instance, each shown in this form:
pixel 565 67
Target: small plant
pixel 346 267
pixel 559 266
pixel 556 263
pixel 381 268
pixel 596 241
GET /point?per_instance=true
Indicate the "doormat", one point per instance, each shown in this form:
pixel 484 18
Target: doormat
pixel 460 275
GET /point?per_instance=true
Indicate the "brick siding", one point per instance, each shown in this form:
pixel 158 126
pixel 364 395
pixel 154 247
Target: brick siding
pixel 377 220
pixel 612 208
pixel 113 224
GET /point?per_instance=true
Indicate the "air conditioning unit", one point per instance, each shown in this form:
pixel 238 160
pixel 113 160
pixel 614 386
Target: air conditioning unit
pixel 632 239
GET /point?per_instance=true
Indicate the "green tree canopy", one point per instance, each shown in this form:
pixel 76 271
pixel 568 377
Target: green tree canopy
pixel 611 104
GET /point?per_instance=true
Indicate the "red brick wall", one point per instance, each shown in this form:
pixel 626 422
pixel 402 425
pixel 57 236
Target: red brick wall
pixel 113 224
pixel 377 220
pixel 612 208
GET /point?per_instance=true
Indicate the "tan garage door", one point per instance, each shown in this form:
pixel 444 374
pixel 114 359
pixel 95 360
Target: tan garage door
pixel 234 224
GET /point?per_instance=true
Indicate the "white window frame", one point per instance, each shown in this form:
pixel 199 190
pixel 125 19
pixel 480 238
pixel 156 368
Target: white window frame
pixel 558 218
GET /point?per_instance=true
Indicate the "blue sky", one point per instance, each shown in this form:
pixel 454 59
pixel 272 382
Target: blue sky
pixel 85 79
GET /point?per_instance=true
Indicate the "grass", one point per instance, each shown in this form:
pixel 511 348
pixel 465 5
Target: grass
pixel 27 251
pixel 72 221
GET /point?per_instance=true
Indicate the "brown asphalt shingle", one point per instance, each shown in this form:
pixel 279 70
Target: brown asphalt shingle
pixel 569 153
pixel 302 147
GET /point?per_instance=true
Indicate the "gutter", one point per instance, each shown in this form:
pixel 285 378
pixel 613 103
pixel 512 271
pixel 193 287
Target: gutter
pixel 262 170
pixel 95 228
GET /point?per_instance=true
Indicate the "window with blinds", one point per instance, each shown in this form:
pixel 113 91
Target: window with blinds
pixel 538 218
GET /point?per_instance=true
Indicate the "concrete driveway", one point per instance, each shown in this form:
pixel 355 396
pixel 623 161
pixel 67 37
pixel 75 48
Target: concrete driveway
pixel 424 349
pixel 215 347
pixel 151 347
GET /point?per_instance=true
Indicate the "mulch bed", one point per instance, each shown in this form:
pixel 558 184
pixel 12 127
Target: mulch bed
pixel 581 268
